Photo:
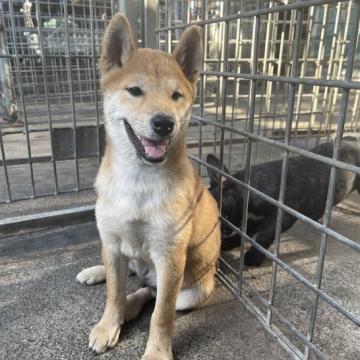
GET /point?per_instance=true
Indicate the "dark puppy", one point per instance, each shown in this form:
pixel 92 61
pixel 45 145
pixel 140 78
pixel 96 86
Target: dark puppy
pixel 306 192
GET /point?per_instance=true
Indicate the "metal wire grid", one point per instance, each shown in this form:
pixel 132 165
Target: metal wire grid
pixel 54 77
pixel 316 107
pixel 50 50
pixel 280 90
pixel 63 30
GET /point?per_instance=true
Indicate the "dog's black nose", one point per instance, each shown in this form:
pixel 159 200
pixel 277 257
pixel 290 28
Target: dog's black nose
pixel 162 125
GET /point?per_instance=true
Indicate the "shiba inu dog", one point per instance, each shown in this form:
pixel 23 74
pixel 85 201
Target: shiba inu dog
pixel 153 211
pixel 306 191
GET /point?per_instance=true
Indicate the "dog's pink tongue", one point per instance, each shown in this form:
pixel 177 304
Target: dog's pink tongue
pixel 154 149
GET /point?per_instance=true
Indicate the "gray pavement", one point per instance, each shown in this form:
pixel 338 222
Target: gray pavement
pixel 45 314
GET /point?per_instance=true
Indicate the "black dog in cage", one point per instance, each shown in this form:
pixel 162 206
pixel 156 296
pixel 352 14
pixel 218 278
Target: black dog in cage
pixel 306 192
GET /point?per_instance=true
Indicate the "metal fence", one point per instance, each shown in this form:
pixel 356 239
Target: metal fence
pixel 278 78
pixel 51 123
pixel 49 49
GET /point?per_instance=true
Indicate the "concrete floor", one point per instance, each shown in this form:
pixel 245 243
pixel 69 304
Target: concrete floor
pixel 46 314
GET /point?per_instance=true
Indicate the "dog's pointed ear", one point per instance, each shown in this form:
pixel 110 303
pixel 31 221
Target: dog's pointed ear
pixel 117 44
pixel 213 174
pixel 189 53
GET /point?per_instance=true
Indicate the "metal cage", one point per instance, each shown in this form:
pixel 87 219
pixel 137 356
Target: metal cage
pixel 278 78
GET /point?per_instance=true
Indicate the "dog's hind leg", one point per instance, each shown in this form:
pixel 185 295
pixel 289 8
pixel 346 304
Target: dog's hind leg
pixel 196 295
pixel 265 237
pixel 92 275
pixel 136 301
pixel 188 298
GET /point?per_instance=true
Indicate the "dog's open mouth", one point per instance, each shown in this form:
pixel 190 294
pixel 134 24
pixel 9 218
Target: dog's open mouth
pixel 149 149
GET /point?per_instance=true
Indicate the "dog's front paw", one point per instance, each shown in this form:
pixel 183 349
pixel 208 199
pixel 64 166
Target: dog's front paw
pixel 253 257
pixel 92 275
pixel 104 336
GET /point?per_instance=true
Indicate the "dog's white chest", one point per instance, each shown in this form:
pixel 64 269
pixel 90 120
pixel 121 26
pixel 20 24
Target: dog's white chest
pixel 134 218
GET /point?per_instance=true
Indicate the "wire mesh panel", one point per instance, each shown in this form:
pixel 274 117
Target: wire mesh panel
pixel 51 51
pixel 51 132
pixel 279 78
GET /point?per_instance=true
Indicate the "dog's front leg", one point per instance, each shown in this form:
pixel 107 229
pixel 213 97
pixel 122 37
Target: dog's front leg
pixel 169 272
pixel 106 333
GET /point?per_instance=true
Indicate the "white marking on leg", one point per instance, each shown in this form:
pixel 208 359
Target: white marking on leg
pixel 188 299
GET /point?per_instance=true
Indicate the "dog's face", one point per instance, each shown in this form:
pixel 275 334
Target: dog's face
pixel 148 94
pixel 232 200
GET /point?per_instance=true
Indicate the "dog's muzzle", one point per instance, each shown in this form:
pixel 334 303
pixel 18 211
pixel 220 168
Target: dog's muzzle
pixel 153 151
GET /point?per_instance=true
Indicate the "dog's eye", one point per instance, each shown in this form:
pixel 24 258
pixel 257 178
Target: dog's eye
pixel 135 91
pixel 176 95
